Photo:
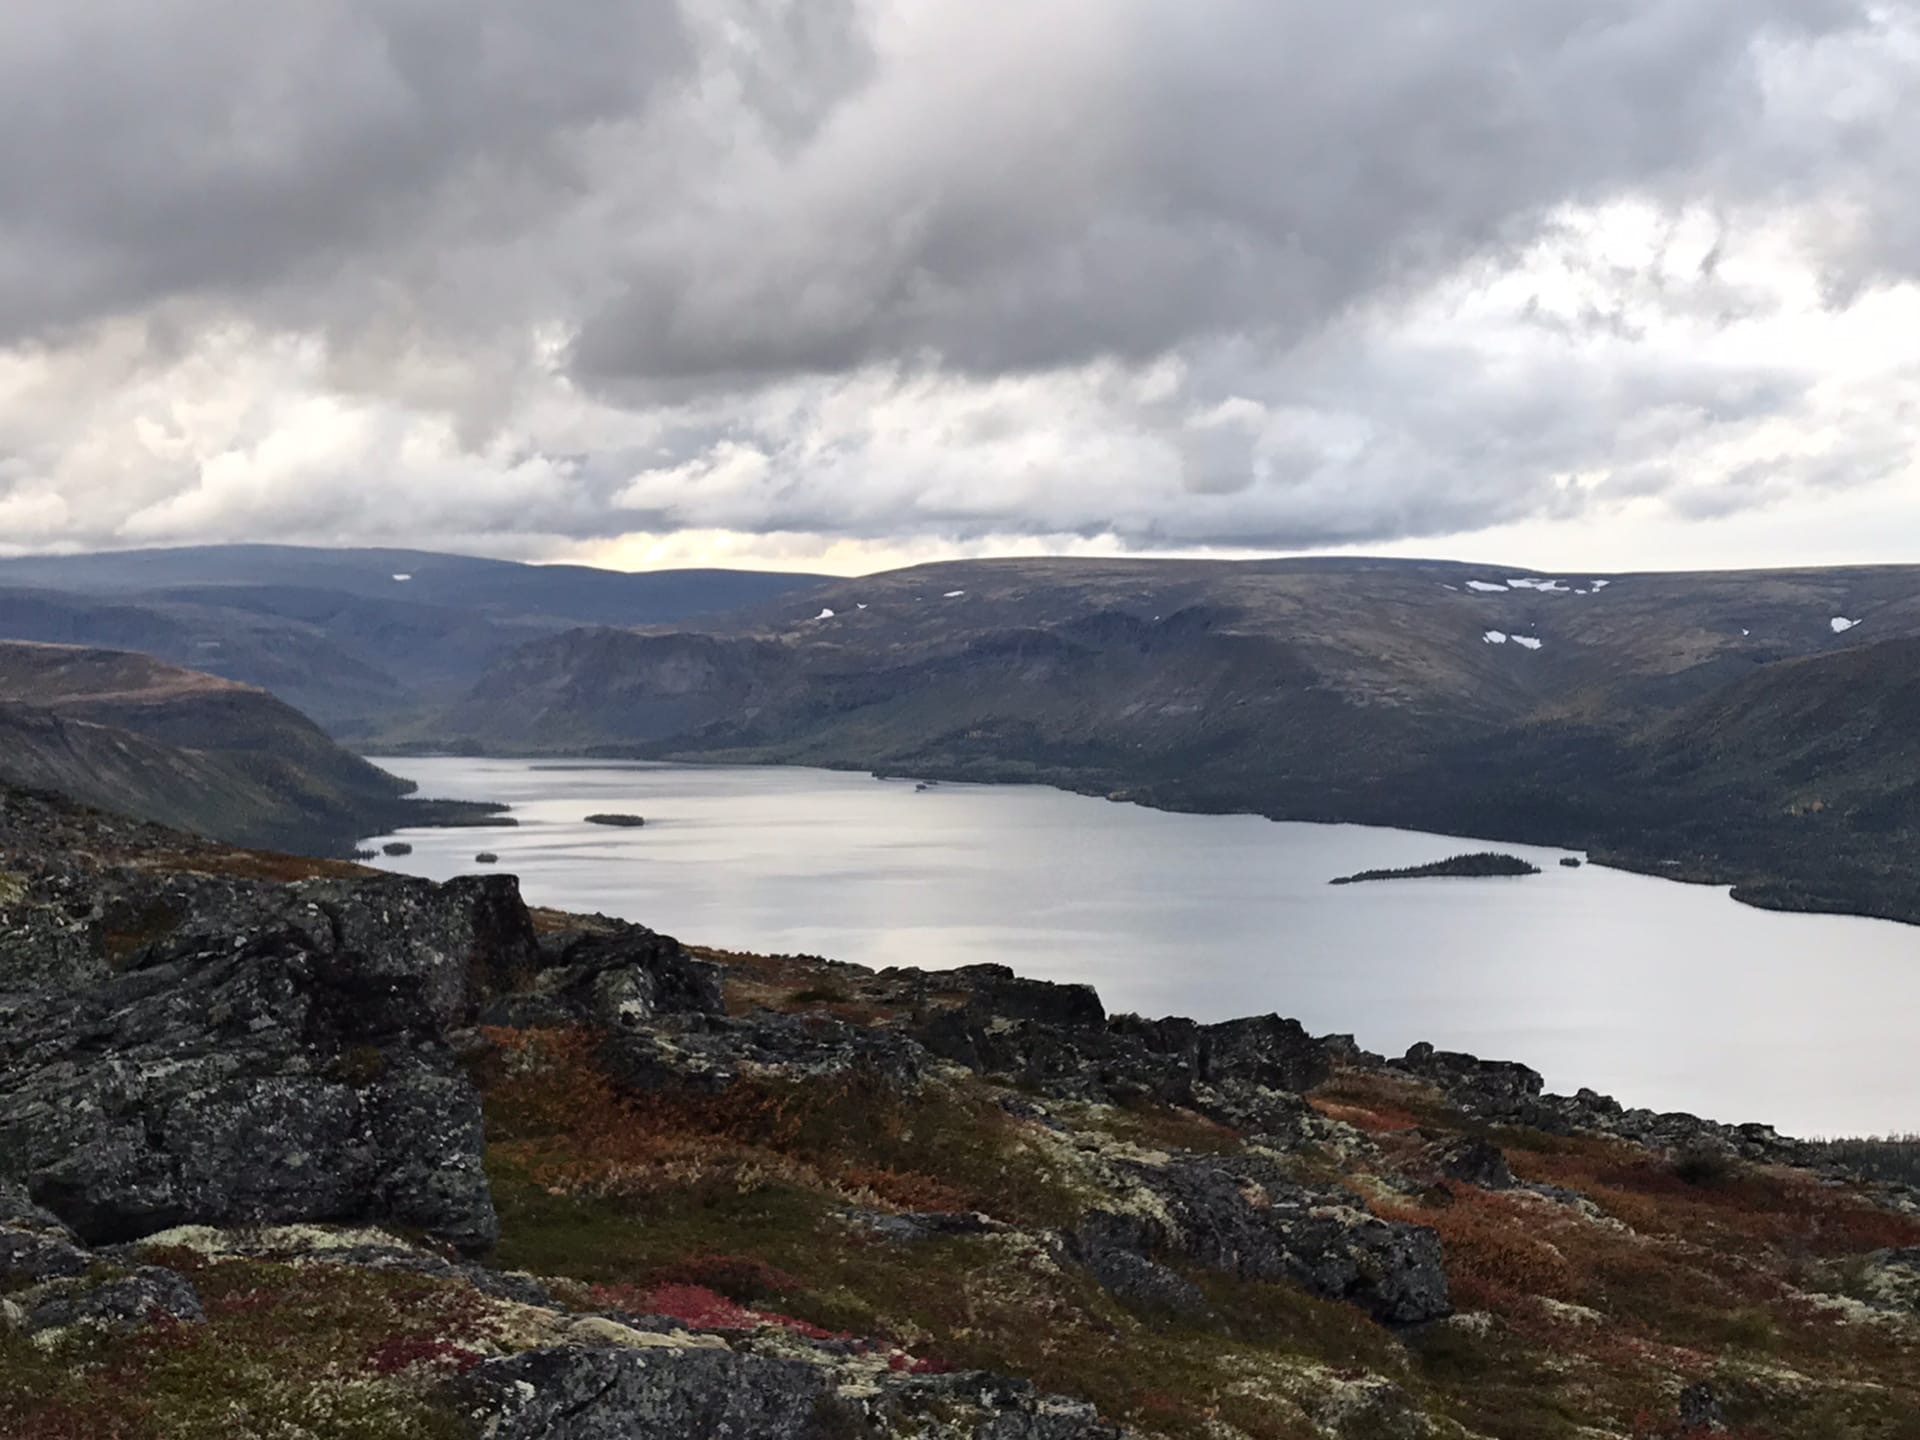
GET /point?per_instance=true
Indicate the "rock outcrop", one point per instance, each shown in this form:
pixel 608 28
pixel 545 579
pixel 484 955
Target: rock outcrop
pixel 294 1149
pixel 616 1393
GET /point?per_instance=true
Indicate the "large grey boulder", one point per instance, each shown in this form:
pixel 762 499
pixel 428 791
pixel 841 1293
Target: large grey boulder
pixel 675 1393
pixel 1242 1216
pixel 122 1303
pixel 273 1053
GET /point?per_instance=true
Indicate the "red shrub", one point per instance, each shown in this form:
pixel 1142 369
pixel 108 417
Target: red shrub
pixel 404 1352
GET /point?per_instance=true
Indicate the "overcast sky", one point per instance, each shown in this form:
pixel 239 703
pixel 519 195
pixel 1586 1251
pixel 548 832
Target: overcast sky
pixel 847 283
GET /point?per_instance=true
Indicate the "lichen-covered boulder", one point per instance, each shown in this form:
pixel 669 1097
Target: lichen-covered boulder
pixel 621 978
pixel 606 1393
pixel 272 1053
pixel 1241 1216
pixel 119 1303
pixel 34 1244
pixel 674 1392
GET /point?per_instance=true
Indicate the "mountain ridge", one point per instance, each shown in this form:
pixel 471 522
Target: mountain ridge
pixel 1472 700
pixel 355 638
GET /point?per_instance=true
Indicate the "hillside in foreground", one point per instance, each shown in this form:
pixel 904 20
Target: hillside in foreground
pixel 292 1148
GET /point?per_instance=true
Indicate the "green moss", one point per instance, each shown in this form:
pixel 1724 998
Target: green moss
pixel 285 1350
pixel 1498 1386
pixel 623 1240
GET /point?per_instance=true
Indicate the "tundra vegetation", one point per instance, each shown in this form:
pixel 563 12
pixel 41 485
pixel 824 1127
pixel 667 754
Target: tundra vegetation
pixel 599 1183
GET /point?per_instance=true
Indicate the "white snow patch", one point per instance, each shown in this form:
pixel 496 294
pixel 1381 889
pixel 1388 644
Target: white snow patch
pixel 1746 632
pixel 1495 637
pixel 1598 584
pixel 1549 587
pixel 824 615
pixel 1532 642
pixel 953 595
pixel 403 578
pixel 859 607
pixel 1454 588
pixel 1484 586
pixel 1841 624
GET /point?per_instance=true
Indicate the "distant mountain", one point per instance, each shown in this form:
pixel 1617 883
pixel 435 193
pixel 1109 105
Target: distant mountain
pixel 131 734
pixel 356 638
pixel 1649 715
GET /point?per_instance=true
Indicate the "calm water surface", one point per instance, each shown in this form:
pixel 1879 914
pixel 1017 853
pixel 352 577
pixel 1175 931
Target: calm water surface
pixel 1665 995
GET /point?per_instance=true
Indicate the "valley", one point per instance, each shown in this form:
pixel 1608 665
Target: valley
pixel 1748 728
pixel 1599 976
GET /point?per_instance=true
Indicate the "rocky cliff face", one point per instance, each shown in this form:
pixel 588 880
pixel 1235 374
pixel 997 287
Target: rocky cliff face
pixel 291 1149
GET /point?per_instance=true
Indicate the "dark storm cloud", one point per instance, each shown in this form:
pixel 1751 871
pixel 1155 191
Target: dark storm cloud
pixel 167 147
pixel 1224 272
pixel 1174 172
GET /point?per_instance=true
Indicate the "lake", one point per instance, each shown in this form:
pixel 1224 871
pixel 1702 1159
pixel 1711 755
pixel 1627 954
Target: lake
pixel 1661 994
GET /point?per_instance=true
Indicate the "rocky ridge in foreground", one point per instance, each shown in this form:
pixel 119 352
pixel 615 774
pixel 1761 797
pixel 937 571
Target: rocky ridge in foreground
pixel 293 1149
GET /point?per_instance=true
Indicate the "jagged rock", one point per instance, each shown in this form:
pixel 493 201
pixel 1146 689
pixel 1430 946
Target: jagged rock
pixel 1346 1050
pixel 1512 1093
pixel 619 1394
pixel 1274 1118
pixel 31 1255
pixel 1488 1087
pixel 619 980
pixel 1262 1050
pixel 276 1052
pixel 1058 1044
pixel 979 1407
pixel 122 1303
pixel 1700 1410
pixel 1476 1162
pixel 34 1244
pixel 1110 1247
pixel 998 990
pixel 1241 1216
pixel 711 1052
pixel 669 1393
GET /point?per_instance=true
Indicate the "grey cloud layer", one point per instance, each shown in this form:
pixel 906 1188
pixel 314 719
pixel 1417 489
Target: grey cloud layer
pixel 1221 272
pixel 1134 175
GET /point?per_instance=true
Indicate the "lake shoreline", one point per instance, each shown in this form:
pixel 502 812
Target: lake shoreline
pixel 1757 889
pixel 1591 970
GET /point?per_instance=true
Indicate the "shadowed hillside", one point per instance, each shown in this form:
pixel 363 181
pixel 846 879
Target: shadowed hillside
pixel 355 638
pixel 131 734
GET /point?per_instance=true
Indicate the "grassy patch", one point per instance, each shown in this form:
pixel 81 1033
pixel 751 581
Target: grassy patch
pixel 858 1138
pixel 332 1353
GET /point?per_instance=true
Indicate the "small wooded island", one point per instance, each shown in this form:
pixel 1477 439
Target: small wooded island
pixel 624 822
pixel 1486 862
